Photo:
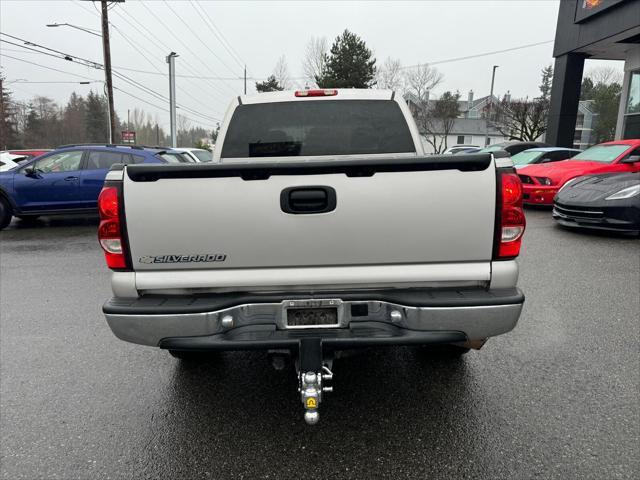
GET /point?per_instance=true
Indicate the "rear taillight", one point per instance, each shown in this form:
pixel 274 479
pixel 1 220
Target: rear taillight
pixel 510 216
pixel 110 231
pixel 324 92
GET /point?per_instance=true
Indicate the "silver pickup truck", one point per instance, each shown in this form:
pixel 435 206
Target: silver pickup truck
pixel 319 226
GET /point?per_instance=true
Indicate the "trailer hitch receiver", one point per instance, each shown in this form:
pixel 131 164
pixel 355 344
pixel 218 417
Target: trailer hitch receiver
pixel 313 375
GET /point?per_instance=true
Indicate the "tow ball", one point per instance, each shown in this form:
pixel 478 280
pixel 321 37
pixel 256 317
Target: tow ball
pixel 313 374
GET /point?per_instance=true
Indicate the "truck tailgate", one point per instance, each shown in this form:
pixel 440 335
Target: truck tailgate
pixel 193 219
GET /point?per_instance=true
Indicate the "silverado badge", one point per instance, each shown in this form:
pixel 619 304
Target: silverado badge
pixel 202 258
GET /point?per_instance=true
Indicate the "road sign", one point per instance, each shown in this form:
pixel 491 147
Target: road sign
pixel 128 136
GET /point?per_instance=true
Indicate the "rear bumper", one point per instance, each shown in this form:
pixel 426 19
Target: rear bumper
pixel 388 317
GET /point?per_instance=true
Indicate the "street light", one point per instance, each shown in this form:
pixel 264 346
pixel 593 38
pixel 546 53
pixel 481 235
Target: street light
pixel 106 51
pixel 88 30
pixel 493 77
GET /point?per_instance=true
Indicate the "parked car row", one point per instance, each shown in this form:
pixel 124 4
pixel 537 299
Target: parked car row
pixel 598 188
pixel 68 179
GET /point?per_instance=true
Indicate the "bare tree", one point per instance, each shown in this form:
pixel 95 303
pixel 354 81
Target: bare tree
pixel 439 120
pixel 281 73
pixel 421 80
pixel 524 120
pixel 389 75
pixel 314 58
pixel 418 82
pixel 182 123
pixel 605 75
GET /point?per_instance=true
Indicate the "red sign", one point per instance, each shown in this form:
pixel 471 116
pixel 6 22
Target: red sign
pixel 128 136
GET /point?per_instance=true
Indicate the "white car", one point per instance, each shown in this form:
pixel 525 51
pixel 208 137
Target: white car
pixel 9 161
pixel 196 154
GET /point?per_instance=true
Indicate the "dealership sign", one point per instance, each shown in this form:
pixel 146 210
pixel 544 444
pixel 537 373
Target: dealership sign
pixel 128 136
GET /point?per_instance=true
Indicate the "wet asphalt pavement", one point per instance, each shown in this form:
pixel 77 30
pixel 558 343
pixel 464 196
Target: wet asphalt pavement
pixel 556 398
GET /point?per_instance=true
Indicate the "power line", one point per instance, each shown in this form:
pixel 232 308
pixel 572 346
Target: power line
pixel 96 65
pixel 158 72
pixel 181 42
pixel 215 30
pixel 192 30
pixel 478 55
pixel 140 48
pixel 123 14
pixel 198 122
pixel 48 68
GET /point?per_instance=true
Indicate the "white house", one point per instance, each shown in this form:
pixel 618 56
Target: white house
pixel 470 128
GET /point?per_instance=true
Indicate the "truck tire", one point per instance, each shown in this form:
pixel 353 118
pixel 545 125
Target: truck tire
pixel 5 213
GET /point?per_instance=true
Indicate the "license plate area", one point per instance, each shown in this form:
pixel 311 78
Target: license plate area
pixel 312 314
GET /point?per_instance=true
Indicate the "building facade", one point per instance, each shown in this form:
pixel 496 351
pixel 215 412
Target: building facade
pixel 470 128
pixel 598 29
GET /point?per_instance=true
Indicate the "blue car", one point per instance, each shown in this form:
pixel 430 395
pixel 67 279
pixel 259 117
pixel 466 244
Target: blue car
pixel 68 180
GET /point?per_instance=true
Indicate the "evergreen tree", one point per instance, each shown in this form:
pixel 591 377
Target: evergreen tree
pixel 73 120
pixel 349 65
pixel 96 123
pixel 545 85
pixel 8 127
pixel 605 97
pixel 271 84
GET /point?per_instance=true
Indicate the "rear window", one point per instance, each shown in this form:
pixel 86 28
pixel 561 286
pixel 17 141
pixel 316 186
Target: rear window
pixel 173 157
pixel 317 127
pixel 203 155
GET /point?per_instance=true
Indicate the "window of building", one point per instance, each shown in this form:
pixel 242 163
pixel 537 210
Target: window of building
pixel 631 127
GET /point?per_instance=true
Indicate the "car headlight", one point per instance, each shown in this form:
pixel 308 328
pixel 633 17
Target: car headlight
pixel 544 181
pixel 628 192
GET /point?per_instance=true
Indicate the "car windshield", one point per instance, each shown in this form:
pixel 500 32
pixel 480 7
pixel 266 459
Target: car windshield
pixel 602 153
pixel 317 127
pixel 492 148
pixel 526 157
pixel 203 155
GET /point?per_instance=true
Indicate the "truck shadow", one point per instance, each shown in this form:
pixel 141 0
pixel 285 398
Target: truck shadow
pixel 399 393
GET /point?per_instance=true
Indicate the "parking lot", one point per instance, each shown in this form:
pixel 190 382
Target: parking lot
pixel 556 398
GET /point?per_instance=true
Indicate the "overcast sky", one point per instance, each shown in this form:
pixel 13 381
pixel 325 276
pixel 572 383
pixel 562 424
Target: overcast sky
pixel 259 33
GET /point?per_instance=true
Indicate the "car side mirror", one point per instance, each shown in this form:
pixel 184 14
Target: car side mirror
pixel 632 159
pixel 30 171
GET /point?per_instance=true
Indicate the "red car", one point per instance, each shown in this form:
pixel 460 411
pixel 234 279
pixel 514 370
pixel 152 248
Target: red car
pixel 542 181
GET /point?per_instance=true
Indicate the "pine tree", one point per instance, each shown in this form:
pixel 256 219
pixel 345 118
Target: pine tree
pixel 74 118
pixel 545 85
pixel 96 126
pixel 349 65
pixel 271 84
pixel 8 128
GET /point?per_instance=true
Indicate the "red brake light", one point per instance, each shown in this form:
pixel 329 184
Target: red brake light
pixel 110 231
pixel 325 92
pixel 511 216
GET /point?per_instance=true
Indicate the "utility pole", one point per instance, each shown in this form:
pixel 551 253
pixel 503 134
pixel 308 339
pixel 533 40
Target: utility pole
pixel 106 49
pixel 493 77
pixel 245 79
pixel 171 60
pixel 157 135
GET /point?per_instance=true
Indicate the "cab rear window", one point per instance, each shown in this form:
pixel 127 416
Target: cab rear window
pixel 317 127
